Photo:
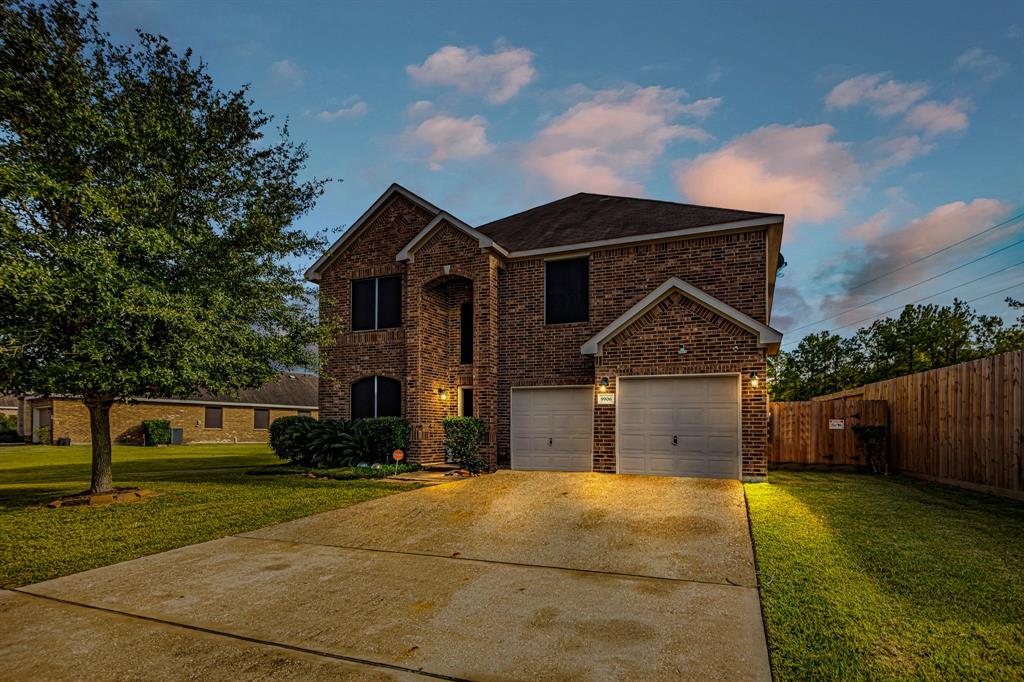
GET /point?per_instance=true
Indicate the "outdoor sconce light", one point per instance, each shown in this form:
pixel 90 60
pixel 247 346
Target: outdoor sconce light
pixel 442 393
pixel 754 380
pixel 682 349
pixel 603 387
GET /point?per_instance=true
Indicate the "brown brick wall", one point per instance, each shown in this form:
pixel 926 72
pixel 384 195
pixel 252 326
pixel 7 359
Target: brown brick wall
pixel 71 419
pixel 650 347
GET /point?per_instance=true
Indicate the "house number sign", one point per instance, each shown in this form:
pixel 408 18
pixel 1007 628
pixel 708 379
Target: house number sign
pixel 836 424
pixel 605 398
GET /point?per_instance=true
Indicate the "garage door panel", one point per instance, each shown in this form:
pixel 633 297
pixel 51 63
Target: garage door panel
pixel 701 414
pixel 552 428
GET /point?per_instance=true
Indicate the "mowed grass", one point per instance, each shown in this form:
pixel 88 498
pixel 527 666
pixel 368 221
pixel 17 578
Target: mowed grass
pixel 865 577
pixel 203 493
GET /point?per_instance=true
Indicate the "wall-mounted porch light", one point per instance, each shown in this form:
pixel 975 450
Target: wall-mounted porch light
pixel 603 386
pixel 442 394
pixel 754 380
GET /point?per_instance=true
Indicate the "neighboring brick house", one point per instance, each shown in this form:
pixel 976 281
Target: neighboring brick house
pixel 241 418
pixel 593 333
pixel 9 405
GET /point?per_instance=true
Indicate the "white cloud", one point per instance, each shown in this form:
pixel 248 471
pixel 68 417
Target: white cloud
pixel 897 151
pixel 884 98
pixel 419 108
pixel 450 138
pixel 353 107
pixel 936 118
pixel 982 63
pixel 794 170
pixel 499 76
pixel 286 75
pixel 604 143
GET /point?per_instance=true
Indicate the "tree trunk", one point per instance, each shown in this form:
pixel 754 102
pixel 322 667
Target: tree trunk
pixel 99 427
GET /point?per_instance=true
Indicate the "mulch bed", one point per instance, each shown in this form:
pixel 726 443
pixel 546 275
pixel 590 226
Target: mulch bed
pixel 115 496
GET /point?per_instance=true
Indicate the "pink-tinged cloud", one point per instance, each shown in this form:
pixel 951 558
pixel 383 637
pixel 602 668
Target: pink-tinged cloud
pixel 450 138
pixel 499 76
pixel 935 118
pixel 883 98
pixel 882 249
pixel 794 170
pixel 983 64
pixel 606 143
pixel 897 151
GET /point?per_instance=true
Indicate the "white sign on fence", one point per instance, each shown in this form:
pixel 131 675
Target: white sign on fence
pixel 836 424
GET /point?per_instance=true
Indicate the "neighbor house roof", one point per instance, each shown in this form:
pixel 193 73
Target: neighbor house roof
pixel 291 390
pixel 583 219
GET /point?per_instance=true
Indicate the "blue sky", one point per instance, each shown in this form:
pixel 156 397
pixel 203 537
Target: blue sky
pixel 883 130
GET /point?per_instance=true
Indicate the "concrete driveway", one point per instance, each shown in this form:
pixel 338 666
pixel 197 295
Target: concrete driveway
pixel 511 576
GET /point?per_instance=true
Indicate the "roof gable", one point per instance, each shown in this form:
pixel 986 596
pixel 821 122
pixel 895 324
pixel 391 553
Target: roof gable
pixel 766 336
pixel 313 273
pixel 444 218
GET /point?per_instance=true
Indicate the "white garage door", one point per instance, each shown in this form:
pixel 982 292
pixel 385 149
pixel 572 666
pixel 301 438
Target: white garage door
pixel 552 428
pixel 679 426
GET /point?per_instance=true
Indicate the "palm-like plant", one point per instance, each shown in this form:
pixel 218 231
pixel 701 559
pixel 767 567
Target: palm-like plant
pixel 340 443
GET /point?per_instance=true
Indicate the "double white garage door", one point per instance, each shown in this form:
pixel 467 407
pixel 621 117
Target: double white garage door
pixel 666 426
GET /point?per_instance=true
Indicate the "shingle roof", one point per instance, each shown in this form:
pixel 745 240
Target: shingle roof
pixel 298 390
pixel 585 217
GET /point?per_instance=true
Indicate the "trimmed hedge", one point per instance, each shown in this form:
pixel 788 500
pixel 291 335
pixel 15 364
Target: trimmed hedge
pixel 308 442
pixel 156 431
pixel 462 439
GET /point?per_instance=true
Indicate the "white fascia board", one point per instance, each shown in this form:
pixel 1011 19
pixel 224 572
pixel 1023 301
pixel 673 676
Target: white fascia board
pixel 485 242
pixel 313 273
pixel 766 336
pixel 687 232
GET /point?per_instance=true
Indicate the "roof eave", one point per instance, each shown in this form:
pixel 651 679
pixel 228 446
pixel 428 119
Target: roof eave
pixel 408 251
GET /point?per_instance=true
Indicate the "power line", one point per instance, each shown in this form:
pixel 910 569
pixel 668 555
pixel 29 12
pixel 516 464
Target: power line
pixel 993 293
pixel 910 286
pixel 935 253
pixel 924 298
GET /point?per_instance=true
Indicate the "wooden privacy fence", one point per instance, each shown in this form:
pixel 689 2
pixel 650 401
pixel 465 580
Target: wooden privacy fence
pixel 821 433
pixel 960 425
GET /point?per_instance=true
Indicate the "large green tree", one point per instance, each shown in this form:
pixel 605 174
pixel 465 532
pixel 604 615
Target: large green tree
pixel 145 222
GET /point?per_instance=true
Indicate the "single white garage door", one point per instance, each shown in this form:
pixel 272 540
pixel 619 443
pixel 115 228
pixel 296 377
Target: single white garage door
pixel 679 426
pixel 552 428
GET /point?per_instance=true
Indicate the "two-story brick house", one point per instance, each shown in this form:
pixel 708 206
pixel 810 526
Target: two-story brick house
pixel 593 333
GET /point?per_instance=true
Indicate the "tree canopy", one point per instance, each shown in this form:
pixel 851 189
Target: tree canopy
pixel 146 222
pixel 923 337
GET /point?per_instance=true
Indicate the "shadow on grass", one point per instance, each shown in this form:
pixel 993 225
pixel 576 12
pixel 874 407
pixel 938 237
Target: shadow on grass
pixel 940 553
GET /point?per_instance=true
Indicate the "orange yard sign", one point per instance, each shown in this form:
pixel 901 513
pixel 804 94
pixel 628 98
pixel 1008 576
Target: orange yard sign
pixel 398 455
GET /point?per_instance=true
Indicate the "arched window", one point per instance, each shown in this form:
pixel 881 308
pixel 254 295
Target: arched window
pixel 376 397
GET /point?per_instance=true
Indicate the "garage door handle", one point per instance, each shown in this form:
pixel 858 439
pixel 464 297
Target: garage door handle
pixel 675 440
pixel 550 441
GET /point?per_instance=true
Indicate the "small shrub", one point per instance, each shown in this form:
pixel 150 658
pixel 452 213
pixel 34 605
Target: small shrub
pixel 386 434
pixel 335 443
pixel 156 431
pixel 462 438
pixel 875 440
pixel 290 438
pixel 9 429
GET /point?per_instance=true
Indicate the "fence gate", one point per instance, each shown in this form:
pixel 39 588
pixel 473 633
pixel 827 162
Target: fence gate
pixel 821 432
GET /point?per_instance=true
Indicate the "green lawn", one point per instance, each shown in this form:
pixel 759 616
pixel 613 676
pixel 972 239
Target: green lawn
pixel 866 577
pixel 204 493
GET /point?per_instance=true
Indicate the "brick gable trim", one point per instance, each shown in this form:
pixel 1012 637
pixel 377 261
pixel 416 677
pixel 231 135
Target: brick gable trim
pixel 314 271
pixel 408 252
pixel 766 336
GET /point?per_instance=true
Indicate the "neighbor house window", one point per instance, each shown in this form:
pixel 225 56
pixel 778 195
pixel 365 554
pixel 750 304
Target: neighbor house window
pixel 214 418
pixel 465 401
pixel 376 303
pixel 260 419
pixel 376 397
pixel 466 333
pixel 305 413
pixel 567 290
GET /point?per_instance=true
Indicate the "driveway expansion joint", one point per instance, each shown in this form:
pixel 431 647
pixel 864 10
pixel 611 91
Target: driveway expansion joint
pixel 244 638
pixel 460 557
